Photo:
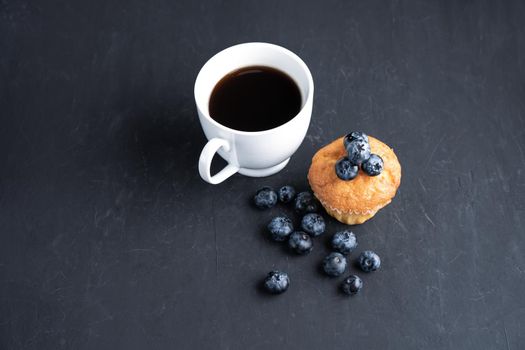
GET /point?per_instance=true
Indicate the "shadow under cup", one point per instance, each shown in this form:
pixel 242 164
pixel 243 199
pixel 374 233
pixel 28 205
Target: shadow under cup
pixel 257 153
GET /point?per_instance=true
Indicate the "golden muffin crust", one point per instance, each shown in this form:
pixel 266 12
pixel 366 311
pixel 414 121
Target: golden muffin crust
pixel 354 201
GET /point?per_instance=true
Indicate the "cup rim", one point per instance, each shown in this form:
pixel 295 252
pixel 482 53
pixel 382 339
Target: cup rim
pixel 285 51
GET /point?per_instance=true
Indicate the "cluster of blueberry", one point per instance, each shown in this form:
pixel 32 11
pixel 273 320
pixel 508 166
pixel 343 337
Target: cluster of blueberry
pixel 312 225
pixel 358 149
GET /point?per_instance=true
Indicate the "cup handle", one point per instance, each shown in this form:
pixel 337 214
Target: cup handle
pixel 205 162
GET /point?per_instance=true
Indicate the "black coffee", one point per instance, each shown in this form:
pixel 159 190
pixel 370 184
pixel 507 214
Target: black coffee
pixel 255 98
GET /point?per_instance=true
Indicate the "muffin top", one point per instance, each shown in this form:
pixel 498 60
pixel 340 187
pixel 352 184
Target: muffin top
pixel 362 195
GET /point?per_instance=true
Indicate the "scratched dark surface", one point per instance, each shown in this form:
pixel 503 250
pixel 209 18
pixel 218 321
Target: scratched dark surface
pixel 110 240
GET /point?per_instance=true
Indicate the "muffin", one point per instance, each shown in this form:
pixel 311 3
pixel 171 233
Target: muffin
pixel 354 201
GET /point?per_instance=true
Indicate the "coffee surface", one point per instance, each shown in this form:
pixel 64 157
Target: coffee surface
pixel 255 98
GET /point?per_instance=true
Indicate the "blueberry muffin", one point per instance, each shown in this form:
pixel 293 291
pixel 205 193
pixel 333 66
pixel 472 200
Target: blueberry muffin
pixel 356 200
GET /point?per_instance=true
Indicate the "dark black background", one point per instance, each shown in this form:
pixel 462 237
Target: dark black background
pixel 110 240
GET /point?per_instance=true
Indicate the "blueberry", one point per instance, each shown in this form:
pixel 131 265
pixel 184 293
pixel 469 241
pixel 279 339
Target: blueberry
pixel 276 282
pixel 358 151
pixel 313 224
pixel 374 165
pixel 352 285
pixel 280 228
pixel 300 242
pixel 344 242
pixel 334 264
pixel 345 170
pixel 265 198
pixel 369 261
pixel 305 203
pixel 354 135
pixel 286 194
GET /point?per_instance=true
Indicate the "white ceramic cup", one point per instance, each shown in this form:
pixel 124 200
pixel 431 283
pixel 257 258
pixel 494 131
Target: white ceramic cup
pixel 259 153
